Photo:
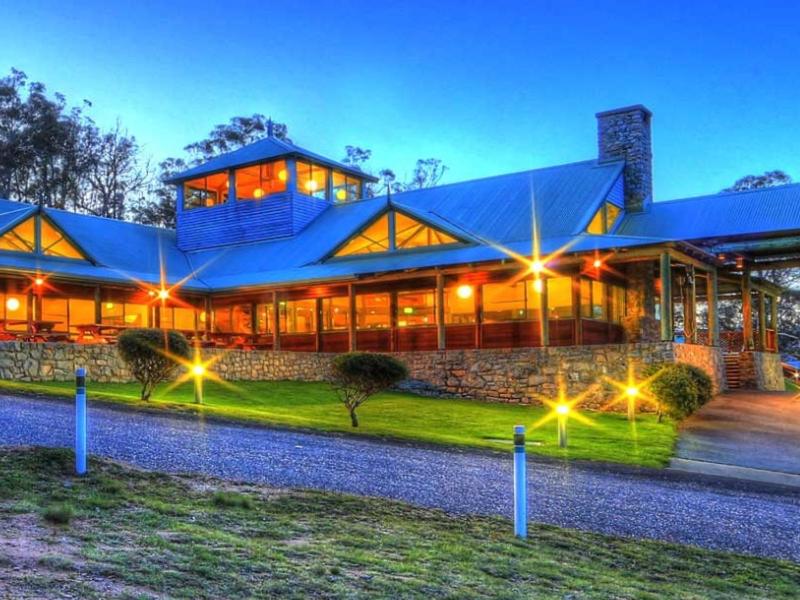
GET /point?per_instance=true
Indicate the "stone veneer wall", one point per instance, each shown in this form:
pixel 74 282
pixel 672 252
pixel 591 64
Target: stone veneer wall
pixel 762 371
pixel 513 375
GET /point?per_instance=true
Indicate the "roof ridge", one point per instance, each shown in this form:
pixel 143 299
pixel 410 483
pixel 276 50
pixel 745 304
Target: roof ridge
pixel 768 188
pixel 102 218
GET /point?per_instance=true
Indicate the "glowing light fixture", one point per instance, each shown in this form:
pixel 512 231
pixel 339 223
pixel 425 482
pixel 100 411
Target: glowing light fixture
pixel 464 292
pixel 632 391
pixel 282 174
pixel 341 194
pixel 311 185
pixel 562 409
pixel 38 281
pixel 198 370
pixel 408 310
pixel 12 304
pixel 537 267
pixel 258 193
pixel 163 294
pixel 597 263
pixel 109 305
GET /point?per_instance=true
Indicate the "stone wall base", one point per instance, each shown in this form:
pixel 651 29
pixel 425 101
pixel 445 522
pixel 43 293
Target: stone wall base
pixel 762 371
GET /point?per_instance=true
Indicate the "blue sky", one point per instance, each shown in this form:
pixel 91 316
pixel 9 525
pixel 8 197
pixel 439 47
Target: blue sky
pixel 490 87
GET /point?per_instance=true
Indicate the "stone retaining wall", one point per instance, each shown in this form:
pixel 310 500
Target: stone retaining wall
pixel 762 371
pixel 517 375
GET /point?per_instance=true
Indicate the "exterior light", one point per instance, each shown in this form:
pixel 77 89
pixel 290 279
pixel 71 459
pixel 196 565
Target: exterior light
pixel 151 293
pixel 163 294
pixel 536 267
pixel 562 409
pixel 408 310
pixel 282 174
pixel 538 286
pixel 597 263
pixel 38 281
pixel 632 391
pixel 109 305
pixel 203 316
pixel 464 292
pixel 198 370
pixel 12 304
pixel 311 185
pixel 258 193
pixel 341 194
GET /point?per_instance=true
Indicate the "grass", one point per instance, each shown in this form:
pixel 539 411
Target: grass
pixel 146 535
pixel 791 386
pixel 609 437
pixel 58 514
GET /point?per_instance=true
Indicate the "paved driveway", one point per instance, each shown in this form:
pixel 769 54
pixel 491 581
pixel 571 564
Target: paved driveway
pixel 754 430
pixel 624 501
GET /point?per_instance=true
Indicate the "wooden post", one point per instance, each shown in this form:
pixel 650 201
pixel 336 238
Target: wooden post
pixel 318 336
pixel 98 305
pixel 747 311
pixel 231 186
pixel 762 321
pixel 690 310
pixel 276 321
pixel 208 308
pixel 440 326
pixel 712 294
pixel 478 316
pixel 352 332
pixel 544 315
pixel 576 309
pixel 393 321
pixel 666 297
pixel 774 317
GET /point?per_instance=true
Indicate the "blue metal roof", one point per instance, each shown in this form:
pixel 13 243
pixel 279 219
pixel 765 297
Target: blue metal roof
pixel 265 149
pixel 766 210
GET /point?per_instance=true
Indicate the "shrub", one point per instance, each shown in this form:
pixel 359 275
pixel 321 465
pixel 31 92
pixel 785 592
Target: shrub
pixel 359 375
pixel 58 514
pixel 149 354
pixel 680 389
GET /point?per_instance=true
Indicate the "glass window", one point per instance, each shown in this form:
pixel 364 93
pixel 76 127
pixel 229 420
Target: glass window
pixel 205 191
pixel 335 313
pixel 599 301
pixel 604 219
pixel 375 238
pixel 258 181
pixel 81 312
pixel 298 316
pixel 265 316
pixel 416 308
pixel 597 224
pixel 459 305
pixel 54 243
pixel 124 314
pixel 56 309
pixel 510 302
pixel 233 319
pixel 586 298
pixel 21 238
pixel 617 303
pixel 559 298
pixel 112 313
pixel 612 213
pixel 410 233
pixel 345 187
pixel 372 311
pixel 178 317
pixel 312 180
pixel 15 308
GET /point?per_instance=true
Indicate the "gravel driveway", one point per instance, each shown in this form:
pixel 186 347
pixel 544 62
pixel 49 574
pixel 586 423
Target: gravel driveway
pixel 623 501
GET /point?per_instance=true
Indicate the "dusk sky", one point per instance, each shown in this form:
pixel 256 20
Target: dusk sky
pixel 489 87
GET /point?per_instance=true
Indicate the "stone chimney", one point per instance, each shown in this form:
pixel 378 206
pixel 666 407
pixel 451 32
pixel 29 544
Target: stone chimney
pixel 624 133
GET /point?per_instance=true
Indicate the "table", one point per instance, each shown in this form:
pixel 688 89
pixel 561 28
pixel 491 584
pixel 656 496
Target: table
pixel 98 331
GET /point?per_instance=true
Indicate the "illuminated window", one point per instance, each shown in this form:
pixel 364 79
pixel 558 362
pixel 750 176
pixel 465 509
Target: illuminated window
pixel 375 238
pixel 559 298
pixel 21 238
pixel 510 302
pixel 617 309
pixel 594 299
pixel 416 308
pixel 124 314
pixel 586 298
pixel 266 316
pixel 53 242
pixel 56 310
pixel 205 191
pixel 233 319
pixel 345 187
pixel 459 305
pixel 372 311
pixel 298 316
pixel 312 179
pixel 81 312
pixel 258 181
pixel 410 233
pixel 15 310
pixel 178 317
pixel 335 313
pixel 604 219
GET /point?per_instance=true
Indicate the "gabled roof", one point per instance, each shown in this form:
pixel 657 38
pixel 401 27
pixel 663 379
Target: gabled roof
pixel 265 149
pixel 768 210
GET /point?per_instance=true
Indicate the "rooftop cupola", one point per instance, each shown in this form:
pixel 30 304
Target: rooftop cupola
pixel 266 190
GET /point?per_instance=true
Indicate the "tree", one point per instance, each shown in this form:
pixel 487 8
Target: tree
pixel 428 173
pixel 357 376
pixel 238 132
pixel 150 355
pixel 754 182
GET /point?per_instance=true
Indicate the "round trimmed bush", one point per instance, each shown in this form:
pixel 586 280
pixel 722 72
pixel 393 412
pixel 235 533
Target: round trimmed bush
pixel 680 389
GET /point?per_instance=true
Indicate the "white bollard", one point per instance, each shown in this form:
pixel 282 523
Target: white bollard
pixel 520 484
pixel 80 421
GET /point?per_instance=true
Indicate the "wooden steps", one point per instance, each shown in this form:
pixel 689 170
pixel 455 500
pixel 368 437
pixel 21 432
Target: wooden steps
pixel 733 370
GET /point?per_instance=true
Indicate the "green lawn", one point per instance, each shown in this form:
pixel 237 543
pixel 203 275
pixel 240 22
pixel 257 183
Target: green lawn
pixel 122 533
pixel 791 386
pixel 610 437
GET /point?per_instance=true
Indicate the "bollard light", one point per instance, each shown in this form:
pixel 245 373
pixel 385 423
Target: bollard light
pixel 562 410
pixel 80 421
pixel 198 372
pixel 520 484
pixel 632 393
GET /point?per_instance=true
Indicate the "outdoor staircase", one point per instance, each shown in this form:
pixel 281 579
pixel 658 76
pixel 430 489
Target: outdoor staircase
pixel 733 370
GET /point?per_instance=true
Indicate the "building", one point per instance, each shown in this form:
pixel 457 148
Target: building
pixel 570 255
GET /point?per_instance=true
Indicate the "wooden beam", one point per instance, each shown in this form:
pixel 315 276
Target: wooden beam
pixel 576 308
pixel 276 321
pixel 478 316
pixel 98 305
pixel 761 308
pixel 747 311
pixel 712 295
pixel 351 317
pixel 688 260
pixel 318 319
pixel 665 265
pixel 544 321
pixel 690 310
pixel 440 327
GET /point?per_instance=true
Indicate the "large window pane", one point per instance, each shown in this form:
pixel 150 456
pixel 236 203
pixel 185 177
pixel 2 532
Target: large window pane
pixel 53 242
pixel 265 317
pixel 510 302
pixel 233 319
pixel 372 311
pixel 298 316
pixel 612 212
pixel 375 238
pixel 15 308
pixel 312 179
pixel 81 312
pixel 410 233
pixel 459 305
pixel 559 298
pixel 21 238
pixel 57 310
pixel 416 308
pixel 345 188
pixel 258 181
pixel 599 301
pixel 205 191
pixel 586 298
pixel 617 303
pixel 178 317
pixel 335 313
